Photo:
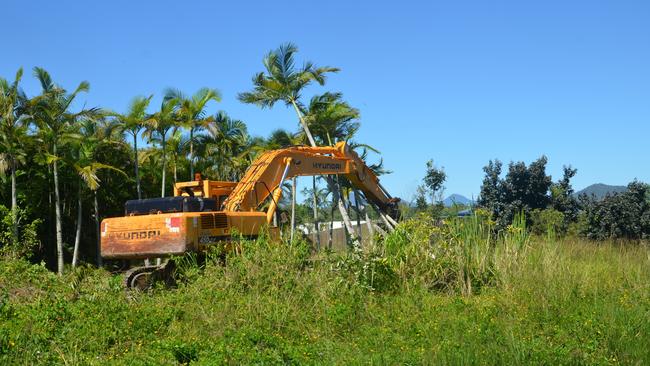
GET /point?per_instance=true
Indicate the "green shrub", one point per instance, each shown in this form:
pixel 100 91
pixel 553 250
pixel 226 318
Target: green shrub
pixel 28 240
pixel 549 222
pixel 455 256
pixel 619 216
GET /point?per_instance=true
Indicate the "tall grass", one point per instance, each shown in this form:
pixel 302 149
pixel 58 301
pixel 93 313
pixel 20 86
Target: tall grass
pixel 427 294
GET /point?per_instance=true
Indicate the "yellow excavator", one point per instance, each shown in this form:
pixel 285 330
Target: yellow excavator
pixel 204 213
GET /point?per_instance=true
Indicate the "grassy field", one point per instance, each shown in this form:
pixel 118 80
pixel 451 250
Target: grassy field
pixel 426 295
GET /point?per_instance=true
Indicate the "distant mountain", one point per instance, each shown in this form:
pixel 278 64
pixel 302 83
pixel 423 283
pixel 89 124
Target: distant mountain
pixel 456 199
pixel 601 190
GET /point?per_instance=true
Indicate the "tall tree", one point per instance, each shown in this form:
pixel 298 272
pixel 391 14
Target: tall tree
pixel 86 139
pixel 133 122
pixel 13 132
pixel 491 196
pixel 562 196
pixel 51 112
pixel 192 114
pixel 159 124
pixel 434 179
pixel 284 82
pixel 177 147
pixel 618 215
pixel 225 147
pixel 331 120
pixel 524 188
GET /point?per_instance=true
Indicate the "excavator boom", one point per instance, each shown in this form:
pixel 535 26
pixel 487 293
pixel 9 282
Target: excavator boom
pixel 268 172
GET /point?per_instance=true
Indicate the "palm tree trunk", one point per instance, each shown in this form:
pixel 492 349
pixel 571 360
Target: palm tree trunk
pixel 164 172
pixel 137 173
pixel 293 207
pixel 77 237
pixel 354 240
pixel 50 213
pixel 97 228
pixel 329 242
pixel 14 202
pixel 164 166
pixel 371 230
pixel 357 211
pixel 57 210
pixel 304 124
pixel 316 226
pixel 175 171
pixel 191 153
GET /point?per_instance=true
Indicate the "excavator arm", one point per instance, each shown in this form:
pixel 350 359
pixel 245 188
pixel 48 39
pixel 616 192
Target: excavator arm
pixel 266 175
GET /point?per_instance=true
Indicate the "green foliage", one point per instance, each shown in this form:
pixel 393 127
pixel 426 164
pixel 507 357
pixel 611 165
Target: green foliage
pixel 431 292
pixel 282 80
pixel 563 199
pixel 491 197
pixel 331 119
pixel 552 208
pixel 28 234
pixel 548 222
pixel 620 215
pixel 525 189
pixel 434 180
pixel 421 198
pixel 455 257
pixel 48 137
pixel 402 302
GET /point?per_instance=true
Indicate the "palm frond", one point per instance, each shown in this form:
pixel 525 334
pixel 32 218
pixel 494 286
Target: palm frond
pixel 44 78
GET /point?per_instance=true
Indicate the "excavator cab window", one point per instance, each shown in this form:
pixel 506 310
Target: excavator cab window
pixel 220 200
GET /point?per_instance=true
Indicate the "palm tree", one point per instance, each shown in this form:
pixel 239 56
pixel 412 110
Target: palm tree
pixel 331 120
pixel 334 120
pixel 192 113
pixel 158 125
pixel 177 147
pixel 12 136
pixel 132 122
pixel 87 138
pixel 225 147
pixel 283 82
pixel 50 111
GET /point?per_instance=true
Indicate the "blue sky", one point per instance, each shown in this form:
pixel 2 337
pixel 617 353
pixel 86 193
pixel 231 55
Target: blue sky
pixel 459 82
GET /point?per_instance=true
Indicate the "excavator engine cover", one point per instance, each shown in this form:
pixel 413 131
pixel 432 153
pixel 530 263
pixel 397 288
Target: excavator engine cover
pixel 169 205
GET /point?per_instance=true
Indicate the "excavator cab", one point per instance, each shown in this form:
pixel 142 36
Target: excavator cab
pixel 212 189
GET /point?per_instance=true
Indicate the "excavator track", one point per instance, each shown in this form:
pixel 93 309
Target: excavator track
pixel 144 277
